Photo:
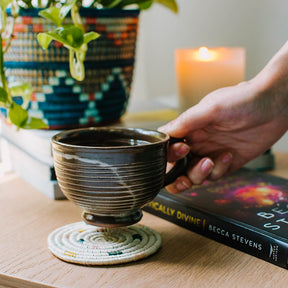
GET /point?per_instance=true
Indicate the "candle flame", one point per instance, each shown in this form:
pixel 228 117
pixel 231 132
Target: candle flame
pixel 204 54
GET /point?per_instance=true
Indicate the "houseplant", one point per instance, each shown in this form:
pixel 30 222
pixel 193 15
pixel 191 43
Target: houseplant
pixel 71 36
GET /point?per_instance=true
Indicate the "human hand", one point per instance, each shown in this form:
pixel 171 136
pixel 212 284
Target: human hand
pixel 199 168
pixel 228 128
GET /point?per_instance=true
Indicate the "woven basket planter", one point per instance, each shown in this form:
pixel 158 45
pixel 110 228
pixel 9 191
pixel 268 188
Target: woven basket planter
pixel 57 98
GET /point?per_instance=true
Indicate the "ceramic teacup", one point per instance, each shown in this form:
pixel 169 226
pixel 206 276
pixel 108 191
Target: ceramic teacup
pixel 111 173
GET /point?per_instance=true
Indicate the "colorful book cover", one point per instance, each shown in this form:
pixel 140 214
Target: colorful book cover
pixel 247 210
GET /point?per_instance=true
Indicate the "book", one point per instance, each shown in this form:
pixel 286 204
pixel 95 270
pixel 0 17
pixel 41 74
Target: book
pixel 38 174
pixel 36 142
pixel 247 210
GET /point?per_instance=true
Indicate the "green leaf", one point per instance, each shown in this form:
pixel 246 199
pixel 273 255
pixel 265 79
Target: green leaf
pixel 142 4
pixel 90 36
pixel 171 4
pixel 20 117
pixel 44 39
pixel 3 96
pixel 22 89
pixel 17 115
pixel 70 36
pixel 145 4
pixel 57 14
pixel 76 65
pixel 35 123
pixel 52 14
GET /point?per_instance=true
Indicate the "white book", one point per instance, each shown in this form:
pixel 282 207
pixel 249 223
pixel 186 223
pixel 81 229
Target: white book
pixel 38 174
pixel 35 142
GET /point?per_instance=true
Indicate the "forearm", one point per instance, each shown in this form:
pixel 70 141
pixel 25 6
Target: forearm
pixel 272 85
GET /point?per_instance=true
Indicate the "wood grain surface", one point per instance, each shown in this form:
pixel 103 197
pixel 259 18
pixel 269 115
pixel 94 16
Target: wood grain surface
pixel 184 260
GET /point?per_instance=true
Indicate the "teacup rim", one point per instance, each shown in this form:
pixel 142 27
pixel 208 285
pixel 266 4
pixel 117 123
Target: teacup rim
pixel 57 141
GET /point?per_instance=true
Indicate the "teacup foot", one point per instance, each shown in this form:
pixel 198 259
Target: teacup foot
pixel 112 221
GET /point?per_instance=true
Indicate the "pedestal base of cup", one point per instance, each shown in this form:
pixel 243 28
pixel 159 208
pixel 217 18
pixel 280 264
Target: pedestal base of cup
pixel 112 221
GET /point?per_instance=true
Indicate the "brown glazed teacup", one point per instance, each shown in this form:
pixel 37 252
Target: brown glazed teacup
pixel 111 173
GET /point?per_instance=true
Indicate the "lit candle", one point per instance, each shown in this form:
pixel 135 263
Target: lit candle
pixel 201 71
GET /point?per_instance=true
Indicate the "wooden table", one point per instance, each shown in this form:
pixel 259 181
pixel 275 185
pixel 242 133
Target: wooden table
pixel 184 260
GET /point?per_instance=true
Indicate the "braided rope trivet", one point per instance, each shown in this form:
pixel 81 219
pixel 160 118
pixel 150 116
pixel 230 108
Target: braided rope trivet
pixel 89 245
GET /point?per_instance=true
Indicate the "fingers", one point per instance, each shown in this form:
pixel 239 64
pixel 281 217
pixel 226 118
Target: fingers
pixel 195 175
pixel 180 184
pixel 204 169
pixel 210 169
pixel 222 165
pixel 199 172
pixel 177 151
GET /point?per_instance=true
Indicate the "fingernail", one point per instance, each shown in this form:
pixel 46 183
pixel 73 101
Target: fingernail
pixel 227 158
pixel 182 150
pixel 180 186
pixel 207 166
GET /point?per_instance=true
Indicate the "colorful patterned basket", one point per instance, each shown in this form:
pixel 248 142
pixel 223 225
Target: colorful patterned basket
pixel 57 98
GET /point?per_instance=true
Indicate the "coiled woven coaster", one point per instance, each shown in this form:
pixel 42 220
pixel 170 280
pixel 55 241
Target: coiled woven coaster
pixel 89 245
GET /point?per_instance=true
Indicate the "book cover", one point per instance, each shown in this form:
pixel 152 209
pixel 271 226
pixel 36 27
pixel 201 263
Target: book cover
pixel 36 142
pixel 247 210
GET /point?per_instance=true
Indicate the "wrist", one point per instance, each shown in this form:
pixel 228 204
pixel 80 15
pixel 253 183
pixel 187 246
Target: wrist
pixel 271 86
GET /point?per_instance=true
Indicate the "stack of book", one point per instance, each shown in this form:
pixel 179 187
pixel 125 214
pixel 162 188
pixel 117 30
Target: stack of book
pixel 29 154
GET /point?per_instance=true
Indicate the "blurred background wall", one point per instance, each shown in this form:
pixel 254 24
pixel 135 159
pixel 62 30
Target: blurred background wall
pixel 259 26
